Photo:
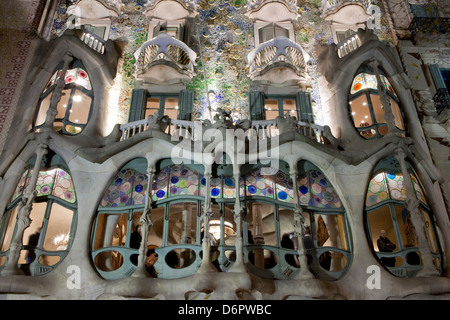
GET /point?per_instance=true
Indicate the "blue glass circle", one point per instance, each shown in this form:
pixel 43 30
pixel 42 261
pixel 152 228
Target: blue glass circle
pixel 160 194
pixel 323 183
pixel 174 179
pixel 391 176
pixel 215 192
pixel 252 189
pixel 229 182
pixel 303 189
pixel 203 181
pixel 282 195
pixel 139 188
pixel 118 181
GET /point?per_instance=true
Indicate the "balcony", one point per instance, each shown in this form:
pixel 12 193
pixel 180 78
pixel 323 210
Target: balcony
pixel 348 45
pixel 92 40
pixel 192 130
pixel 347 12
pixel 442 100
pixel 429 27
pixel 278 62
pixel 164 60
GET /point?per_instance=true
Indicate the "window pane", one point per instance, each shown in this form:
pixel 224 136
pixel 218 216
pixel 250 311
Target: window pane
pixel 62 104
pixel 378 108
pixel 229 225
pixel 406 227
pixel 32 233
pixel 360 112
pixel 152 107
pixel 279 31
pixel 111 230
pixel 58 229
pixel 271 107
pixel 429 232
pixel 155 232
pixel 45 103
pixel 379 220
pixel 330 231
pixel 9 229
pixel 261 223
pixel 182 223
pixel 361 115
pixel 289 106
pixel 397 115
pixel 171 113
pixel 81 104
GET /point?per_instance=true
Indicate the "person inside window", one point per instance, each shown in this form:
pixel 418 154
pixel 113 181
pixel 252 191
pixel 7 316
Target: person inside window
pixel 386 245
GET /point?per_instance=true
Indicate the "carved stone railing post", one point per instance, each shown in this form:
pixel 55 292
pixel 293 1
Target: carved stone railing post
pixel 239 265
pixel 57 94
pixel 206 265
pixel 23 215
pixel 146 224
pixel 299 228
pixel 412 205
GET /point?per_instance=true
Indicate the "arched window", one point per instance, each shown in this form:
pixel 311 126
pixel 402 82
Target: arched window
pixel 387 214
pixel 178 194
pixel 49 237
pixel 269 235
pixel 74 107
pixel 173 236
pixel 366 109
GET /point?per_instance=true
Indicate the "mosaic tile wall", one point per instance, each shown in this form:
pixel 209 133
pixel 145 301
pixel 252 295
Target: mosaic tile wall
pixel 18 21
pixel 223 37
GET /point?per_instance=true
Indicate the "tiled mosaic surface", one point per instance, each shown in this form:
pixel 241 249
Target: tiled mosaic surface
pixel 223 38
pixel 18 21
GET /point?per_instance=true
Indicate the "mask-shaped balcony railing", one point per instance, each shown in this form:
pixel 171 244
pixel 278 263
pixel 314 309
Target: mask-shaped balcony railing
pixel 261 129
pixel 333 3
pixel 278 50
pixel 92 40
pixel 348 45
pixel 165 49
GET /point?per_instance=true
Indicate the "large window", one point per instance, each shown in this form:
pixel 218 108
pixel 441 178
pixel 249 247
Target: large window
pixel 275 106
pixel 48 238
pixel 272 31
pixel 175 237
pixel 74 107
pixel 165 105
pixel 366 109
pixel 391 232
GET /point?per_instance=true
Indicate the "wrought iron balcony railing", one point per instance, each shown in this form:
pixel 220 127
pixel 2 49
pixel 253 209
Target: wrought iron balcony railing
pixel 426 25
pixel 442 100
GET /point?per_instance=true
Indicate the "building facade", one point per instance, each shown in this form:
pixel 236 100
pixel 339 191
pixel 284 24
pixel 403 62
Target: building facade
pixel 271 149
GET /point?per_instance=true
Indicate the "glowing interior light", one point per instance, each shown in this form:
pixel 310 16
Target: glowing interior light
pixel 366 117
pixel 353 113
pixel 77 98
pixel 364 103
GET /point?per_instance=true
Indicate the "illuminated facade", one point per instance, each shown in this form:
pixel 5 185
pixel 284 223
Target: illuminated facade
pixel 240 149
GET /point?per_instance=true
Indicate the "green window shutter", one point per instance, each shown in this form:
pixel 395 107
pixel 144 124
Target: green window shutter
pixel 304 107
pixel 138 103
pixel 257 105
pixel 186 102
